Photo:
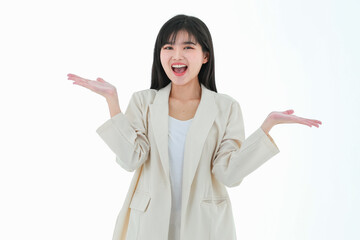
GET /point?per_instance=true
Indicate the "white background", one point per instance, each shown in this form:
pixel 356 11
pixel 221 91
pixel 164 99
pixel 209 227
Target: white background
pixel 59 180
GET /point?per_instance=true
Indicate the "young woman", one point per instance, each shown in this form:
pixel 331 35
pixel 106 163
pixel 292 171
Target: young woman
pixel 185 141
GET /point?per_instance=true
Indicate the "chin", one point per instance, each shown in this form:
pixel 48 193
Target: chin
pixel 179 82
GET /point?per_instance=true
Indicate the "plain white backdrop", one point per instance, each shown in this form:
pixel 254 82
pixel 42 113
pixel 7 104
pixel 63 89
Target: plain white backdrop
pixel 59 180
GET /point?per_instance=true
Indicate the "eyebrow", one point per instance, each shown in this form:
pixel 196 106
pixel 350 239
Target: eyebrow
pixel 184 43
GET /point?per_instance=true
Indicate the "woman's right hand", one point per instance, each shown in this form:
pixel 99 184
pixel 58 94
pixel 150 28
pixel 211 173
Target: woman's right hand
pixel 99 86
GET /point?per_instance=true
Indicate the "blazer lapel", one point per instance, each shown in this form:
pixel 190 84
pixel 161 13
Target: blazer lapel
pixel 196 135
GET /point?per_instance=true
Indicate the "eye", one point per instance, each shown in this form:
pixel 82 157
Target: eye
pixel 167 48
pixel 188 47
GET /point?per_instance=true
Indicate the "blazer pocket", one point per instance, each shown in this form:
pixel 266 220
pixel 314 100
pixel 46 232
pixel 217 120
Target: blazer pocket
pixel 215 213
pixel 138 205
pixel 214 201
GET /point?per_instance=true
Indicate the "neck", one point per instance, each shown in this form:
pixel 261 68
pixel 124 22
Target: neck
pixel 189 91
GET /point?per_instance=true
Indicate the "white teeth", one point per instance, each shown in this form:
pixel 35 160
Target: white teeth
pixel 178 66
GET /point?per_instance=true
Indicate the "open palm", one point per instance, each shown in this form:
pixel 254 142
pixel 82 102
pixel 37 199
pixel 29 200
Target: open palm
pixel 288 117
pixel 99 86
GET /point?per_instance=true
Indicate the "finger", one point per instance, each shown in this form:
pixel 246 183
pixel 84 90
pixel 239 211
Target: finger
pixel 301 121
pixel 82 80
pixel 305 122
pixel 290 111
pixel 100 80
pixel 75 77
pixel 71 76
pixel 315 123
pixel 301 118
pixel 85 85
pixel 312 123
pixel 312 120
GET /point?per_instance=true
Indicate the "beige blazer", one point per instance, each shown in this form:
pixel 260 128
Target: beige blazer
pixel 216 156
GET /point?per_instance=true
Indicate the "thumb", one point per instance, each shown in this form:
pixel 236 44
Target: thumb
pixel 290 111
pixel 100 80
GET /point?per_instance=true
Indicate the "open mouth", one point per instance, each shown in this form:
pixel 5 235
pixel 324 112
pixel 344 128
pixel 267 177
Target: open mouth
pixel 179 69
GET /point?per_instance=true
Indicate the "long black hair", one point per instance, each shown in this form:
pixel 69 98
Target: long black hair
pixel 194 27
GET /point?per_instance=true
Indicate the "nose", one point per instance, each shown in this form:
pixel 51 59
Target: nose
pixel 178 54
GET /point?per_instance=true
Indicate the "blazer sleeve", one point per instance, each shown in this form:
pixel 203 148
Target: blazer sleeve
pixel 126 135
pixel 236 156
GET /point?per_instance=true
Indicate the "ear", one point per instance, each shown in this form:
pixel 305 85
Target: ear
pixel 206 58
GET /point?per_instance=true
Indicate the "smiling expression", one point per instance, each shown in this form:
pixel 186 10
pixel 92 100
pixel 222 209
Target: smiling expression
pixel 183 59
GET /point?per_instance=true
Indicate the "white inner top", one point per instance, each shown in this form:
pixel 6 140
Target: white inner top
pixel 176 145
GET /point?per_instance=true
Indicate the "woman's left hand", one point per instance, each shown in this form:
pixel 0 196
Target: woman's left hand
pixel 286 117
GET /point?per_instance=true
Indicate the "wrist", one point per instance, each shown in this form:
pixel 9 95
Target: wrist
pixel 112 98
pixel 267 125
pixel 113 103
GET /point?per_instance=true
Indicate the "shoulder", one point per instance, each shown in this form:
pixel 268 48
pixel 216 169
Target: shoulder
pixel 228 107
pixel 144 97
pixel 224 100
pixel 145 93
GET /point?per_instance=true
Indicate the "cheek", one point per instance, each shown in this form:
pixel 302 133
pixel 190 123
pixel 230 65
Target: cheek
pixel 197 61
pixel 163 60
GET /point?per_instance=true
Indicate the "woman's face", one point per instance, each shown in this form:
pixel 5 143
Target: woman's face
pixel 182 60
